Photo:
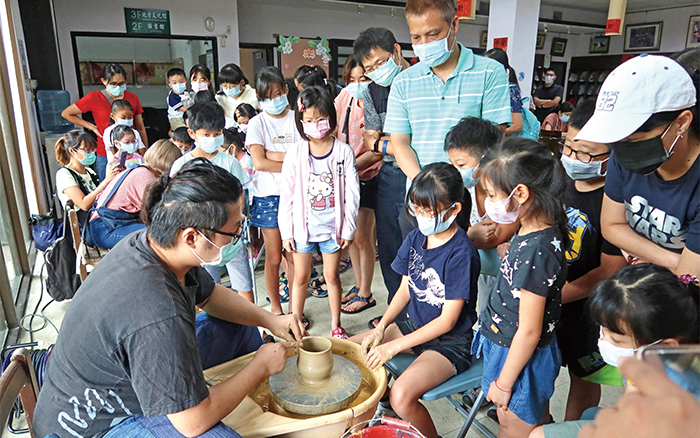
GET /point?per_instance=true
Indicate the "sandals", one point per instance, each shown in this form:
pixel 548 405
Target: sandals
pixel 373 323
pixel 317 282
pixel 349 295
pixel 369 303
pixel 339 333
pixel 314 273
pixel 319 292
pixel 344 265
pixel 317 260
pixel 305 321
pixel 284 296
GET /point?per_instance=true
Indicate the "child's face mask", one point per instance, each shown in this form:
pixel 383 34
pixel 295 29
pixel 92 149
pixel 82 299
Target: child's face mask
pixel 129 148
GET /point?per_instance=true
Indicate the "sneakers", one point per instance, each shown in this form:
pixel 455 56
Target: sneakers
pixel 470 396
pixel 384 409
pixel 339 333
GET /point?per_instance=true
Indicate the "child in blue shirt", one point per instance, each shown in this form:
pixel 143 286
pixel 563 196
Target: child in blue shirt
pixel 178 97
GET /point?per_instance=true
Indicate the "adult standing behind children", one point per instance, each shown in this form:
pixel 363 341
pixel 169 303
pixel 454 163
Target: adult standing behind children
pixel 548 97
pixel 99 103
pixel 235 90
pixel 379 54
pixel 448 83
pixel 647 110
pixel 350 105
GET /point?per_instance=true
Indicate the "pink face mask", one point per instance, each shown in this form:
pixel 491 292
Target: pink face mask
pixel 317 129
pixel 497 211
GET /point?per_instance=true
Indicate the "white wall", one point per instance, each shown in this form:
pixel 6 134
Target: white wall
pixel 186 18
pixel 260 19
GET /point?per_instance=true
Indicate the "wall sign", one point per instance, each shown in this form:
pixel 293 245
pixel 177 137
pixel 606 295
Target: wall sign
pixel 153 21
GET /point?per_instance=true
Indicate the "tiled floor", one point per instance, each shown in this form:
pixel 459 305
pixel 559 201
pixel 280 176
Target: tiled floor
pixel 448 420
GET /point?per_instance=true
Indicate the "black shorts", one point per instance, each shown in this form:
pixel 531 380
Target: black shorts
pixel 368 193
pixel 578 340
pixel 455 347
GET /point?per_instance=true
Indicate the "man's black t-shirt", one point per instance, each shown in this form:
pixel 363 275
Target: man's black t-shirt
pixel 534 262
pixel 127 346
pixel 548 93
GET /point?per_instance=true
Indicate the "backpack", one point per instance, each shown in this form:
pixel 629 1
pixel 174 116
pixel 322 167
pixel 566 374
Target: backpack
pixel 531 126
pixel 62 281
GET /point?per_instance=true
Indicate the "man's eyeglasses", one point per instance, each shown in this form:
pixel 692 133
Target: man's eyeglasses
pixel 370 70
pixel 236 236
pixel 582 156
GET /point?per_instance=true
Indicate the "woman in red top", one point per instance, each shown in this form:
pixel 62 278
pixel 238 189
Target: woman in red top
pixel 99 103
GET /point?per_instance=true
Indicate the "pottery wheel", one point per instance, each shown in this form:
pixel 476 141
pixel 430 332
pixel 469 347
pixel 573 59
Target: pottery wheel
pixel 291 394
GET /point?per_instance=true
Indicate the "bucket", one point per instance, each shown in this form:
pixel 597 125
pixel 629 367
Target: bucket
pixel 51 104
pixel 389 428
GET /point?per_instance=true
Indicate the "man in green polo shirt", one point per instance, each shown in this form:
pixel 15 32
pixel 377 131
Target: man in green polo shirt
pixel 448 83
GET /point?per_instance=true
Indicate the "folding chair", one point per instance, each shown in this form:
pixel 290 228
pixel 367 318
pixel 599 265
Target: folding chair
pixel 469 379
pixel 20 380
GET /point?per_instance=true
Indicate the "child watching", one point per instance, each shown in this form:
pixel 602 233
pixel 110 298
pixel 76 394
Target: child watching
pixel 319 199
pixel 558 121
pixel 440 267
pixel 244 112
pixel 269 135
pixel 591 259
pixel 466 143
pixel 122 114
pixel 181 138
pixel 640 305
pixel 234 144
pixel 200 78
pixel 124 147
pixel 235 90
pixel 178 99
pixel 523 181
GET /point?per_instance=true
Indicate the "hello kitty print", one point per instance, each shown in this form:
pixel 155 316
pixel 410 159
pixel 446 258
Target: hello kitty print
pixel 321 191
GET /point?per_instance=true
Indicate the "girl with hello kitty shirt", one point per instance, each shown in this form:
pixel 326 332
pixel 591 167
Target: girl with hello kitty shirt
pixel 319 200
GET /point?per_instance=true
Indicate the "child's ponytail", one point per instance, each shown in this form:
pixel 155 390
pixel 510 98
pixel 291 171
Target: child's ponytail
pixel 72 139
pixel 153 196
pixel 62 155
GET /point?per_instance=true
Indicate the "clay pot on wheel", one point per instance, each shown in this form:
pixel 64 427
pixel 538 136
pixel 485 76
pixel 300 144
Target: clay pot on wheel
pixel 315 361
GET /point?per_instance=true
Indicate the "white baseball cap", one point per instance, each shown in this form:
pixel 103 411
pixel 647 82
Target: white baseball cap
pixel 635 90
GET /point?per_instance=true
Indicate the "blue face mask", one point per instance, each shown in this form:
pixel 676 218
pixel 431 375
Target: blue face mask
pixel 385 74
pixel 125 122
pixel 179 88
pixel 357 89
pixel 467 177
pixel 565 119
pixel 428 225
pixel 580 171
pixel 210 144
pixel 116 90
pixel 233 92
pixel 275 106
pixel 435 53
pixel 88 158
pixel 129 148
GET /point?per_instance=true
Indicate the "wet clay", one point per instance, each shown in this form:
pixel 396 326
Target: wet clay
pixel 315 361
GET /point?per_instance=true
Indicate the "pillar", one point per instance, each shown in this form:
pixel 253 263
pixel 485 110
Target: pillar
pixel 516 20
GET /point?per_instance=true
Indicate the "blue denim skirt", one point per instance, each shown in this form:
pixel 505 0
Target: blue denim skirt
pixel 264 211
pixel 535 384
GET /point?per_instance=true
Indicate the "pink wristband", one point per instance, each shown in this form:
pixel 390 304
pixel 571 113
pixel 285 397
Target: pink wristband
pixel 499 388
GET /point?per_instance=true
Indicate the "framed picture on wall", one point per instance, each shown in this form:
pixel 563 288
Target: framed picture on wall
pixel 599 44
pixel 558 47
pixel 483 41
pixel 643 37
pixel 541 38
pixel 693 32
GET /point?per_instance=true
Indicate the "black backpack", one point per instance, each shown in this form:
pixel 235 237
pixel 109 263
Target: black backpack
pixel 62 279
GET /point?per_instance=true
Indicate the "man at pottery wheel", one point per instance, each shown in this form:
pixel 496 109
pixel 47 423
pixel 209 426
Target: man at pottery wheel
pixel 128 360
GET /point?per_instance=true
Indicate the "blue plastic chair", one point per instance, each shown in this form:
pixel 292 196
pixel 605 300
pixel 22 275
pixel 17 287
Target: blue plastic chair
pixel 469 379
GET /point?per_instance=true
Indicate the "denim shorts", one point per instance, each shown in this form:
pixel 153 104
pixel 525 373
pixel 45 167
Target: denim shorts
pixel 535 385
pixel 263 213
pixel 454 347
pixel 326 247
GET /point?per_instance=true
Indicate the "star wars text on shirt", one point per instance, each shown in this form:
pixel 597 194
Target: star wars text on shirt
pixel 655 224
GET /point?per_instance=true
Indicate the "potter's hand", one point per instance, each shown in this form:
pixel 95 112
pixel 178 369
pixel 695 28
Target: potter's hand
pixel 373 339
pixel 288 245
pixel 288 327
pixel 380 355
pixel 271 357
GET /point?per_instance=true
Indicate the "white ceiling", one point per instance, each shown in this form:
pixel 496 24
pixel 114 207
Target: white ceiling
pixel 632 5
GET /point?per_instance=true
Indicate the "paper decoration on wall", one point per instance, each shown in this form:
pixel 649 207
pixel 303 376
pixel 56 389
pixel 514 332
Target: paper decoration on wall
pixel 322 50
pixel 286 44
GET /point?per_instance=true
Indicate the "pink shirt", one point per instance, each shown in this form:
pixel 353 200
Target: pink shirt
pixel 554 120
pixel 356 130
pixel 130 193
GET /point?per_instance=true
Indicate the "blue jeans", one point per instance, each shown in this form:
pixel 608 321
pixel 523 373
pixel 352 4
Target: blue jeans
pixel 160 427
pixel 104 237
pixel 219 341
pixel 101 167
pixel 391 192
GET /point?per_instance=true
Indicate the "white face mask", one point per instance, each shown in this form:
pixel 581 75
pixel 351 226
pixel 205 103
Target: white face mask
pixel 216 261
pixel 129 148
pixel 611 354
pixel 200 86
pixel 210 144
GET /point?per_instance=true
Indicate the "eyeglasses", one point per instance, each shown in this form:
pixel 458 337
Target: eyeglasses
pixel 235 236
pixel 582 156
pixel 370 70
pixel 426 212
